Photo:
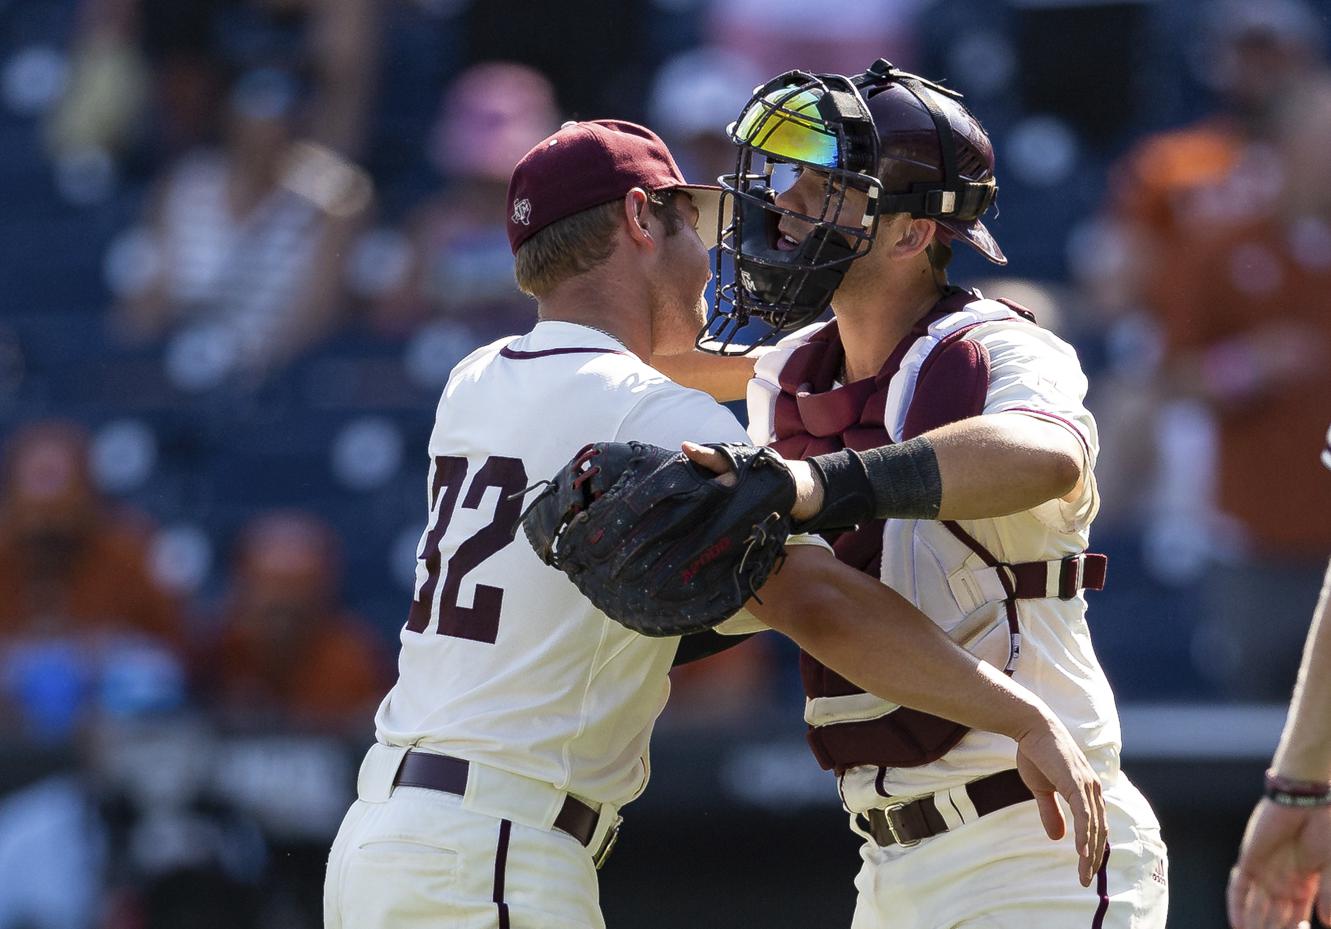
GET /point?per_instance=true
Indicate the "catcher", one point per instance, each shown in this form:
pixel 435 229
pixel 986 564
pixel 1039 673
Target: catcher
pixel 951 436
pixel 520 720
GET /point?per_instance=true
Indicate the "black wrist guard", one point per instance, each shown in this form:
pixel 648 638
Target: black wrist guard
pixel 898 481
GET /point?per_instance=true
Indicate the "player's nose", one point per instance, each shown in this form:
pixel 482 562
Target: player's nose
pixel 788 225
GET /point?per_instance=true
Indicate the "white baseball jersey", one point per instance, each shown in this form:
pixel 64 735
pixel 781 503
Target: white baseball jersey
pixel 503 660
pixel 997 870
pixel 1035 373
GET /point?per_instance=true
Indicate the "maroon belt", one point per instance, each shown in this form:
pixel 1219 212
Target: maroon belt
pixel 441 772
pixel 910 823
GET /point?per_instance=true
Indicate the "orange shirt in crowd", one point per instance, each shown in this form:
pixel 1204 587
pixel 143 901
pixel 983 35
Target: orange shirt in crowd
pixel 1164 186
pixel 335 672
pixel 71 563
pixel 101 585
pixel 1257 298
pixel 286 646
pixel 1243 300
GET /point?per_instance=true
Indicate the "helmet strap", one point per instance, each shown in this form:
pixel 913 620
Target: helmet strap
pixel 947 142
pixel 954 196
pixel 966 201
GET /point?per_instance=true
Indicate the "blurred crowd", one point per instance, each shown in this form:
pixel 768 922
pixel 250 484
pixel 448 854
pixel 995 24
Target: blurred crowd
pixel 245 240
pixel 1211 265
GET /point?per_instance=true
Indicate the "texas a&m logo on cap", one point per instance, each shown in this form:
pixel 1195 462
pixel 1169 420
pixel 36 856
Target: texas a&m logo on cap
pixel 522 211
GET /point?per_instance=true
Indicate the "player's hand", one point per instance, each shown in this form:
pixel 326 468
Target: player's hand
pixel 1051 763
pixel 808 486
pixel 1285 856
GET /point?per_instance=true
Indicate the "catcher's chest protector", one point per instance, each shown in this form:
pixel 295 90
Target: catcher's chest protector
pixel 934 377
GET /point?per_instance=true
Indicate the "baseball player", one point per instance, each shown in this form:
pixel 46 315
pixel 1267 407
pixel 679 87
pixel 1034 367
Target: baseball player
pixel 950 430
pixel 1285 860
pixel 519 723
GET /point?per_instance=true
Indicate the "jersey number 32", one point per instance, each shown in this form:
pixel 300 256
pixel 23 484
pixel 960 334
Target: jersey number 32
pixel 480 621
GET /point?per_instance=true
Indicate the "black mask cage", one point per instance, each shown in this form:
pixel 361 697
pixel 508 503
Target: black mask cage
pixel 817 122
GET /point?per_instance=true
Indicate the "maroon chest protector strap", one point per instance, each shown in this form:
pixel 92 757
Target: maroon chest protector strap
pixel 811 418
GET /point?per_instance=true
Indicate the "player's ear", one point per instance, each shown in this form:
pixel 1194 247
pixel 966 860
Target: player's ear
pixel 635 216
pixel 914 237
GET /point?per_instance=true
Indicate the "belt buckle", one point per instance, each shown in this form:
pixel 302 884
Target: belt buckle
pixel 1071 575
pixel 608 843
pixel 892 829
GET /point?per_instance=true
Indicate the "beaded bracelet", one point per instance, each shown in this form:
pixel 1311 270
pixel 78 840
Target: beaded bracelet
pixel 1284 791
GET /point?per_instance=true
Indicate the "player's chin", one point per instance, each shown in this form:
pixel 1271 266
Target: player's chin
pixel 695 319
pixel 685 325
pixel 700 308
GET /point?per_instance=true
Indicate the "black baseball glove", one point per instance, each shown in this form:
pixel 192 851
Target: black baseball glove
pixel 657 543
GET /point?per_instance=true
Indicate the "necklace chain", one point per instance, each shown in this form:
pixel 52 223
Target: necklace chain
pixel 603 332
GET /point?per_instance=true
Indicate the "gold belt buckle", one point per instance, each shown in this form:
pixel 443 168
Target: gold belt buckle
pixel 892 826
pixel 608 843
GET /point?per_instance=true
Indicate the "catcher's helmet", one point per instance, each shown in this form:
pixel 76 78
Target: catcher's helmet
pixel 908 144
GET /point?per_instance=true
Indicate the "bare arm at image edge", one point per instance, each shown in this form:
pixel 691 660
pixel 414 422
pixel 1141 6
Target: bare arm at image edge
pixel 1284 861
pixel 1304 753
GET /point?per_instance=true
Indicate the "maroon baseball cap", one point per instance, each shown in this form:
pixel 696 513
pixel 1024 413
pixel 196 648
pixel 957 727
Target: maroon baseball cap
pixel 586 164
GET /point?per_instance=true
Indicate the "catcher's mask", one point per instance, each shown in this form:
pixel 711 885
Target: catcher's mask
pixel 825 124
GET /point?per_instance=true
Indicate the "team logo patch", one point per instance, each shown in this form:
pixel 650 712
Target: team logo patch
pixel 522 211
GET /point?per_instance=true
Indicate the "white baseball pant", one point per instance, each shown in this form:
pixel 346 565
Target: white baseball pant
pixel 1002 872
pixel 413 857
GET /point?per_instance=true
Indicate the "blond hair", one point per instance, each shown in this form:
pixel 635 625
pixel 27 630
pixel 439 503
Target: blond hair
pixel 576 244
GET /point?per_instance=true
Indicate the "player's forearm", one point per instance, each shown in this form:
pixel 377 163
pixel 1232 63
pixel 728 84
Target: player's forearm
pixel 870 635
pixel 1305 745
pixel 981 467
pixel 724 378
pixel 1003 463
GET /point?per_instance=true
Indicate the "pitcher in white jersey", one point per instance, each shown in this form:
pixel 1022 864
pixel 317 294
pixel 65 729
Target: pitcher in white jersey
pixel 520 720
pixel 949 434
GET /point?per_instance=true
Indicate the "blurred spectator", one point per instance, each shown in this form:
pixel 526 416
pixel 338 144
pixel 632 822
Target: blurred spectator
pixel 247 242
pixel 695 96
pixel 340 44
pixel 78 607
pixel 180 42
pixel 597 53
pixel 1220 170
pixel 1206 269
pixel 461 265
pixel 53 855
pixel 105 104
pixel 129 55
pixel 1215 320
pixel 1252 341
pixel 288 651
pixel 332 44
pixel 777 35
